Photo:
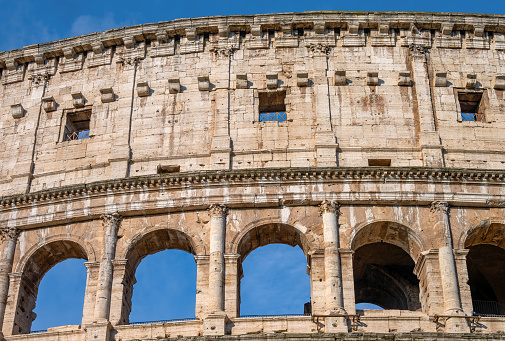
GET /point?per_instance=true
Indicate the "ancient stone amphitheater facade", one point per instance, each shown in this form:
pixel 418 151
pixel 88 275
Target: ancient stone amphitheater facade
pixel 374 141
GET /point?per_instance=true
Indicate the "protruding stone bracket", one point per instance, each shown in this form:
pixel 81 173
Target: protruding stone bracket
pixel 223 31
pixel 441 79
pixel 48 104
pixel 174 86
pixel 353 28
pixel 340 77
pixel 143 89
pixel 319 27
pixel 372 78
pixel 203 83
pixel 241 81
pixel 499 82
pixel 129 42
pixel 107 95
pixel 447 30
pixel 191 33
pixel 256 30
pixel 17 110
pixel 384 29
pixel 78 100
pixel 272 80
pixel 404 78
pixel 97 47
pixel 471 81
pixel 302 79
pixel 69 52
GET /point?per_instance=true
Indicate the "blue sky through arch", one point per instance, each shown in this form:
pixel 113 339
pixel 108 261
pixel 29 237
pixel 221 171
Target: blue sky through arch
pixel 275 281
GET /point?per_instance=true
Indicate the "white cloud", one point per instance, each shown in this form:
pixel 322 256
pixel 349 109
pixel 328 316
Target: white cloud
pixel 85 24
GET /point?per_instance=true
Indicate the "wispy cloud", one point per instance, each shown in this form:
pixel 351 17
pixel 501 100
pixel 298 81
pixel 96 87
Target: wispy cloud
pixel 85 24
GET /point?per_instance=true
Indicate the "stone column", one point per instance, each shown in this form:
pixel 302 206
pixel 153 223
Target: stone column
pixel 448 271
pixel 232 286
pixel 426 134
pixel 111 224
pixel 334 295
pixel 329 210
pixel 92 269
pixel 221 141
pixel 326 143
pixel 216 319
pixel 9 237
pixel 202 285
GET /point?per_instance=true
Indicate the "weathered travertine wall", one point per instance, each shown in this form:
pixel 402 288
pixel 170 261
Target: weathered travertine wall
pixel 394 198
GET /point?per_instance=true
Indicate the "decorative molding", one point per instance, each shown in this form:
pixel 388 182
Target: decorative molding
pixel 329 207
pixel 274 174
pixel 217 210
pixel 113 219
pixel 419 48
pixel 9 232
pixel 439 207
pixel 319 49
pixel 495 203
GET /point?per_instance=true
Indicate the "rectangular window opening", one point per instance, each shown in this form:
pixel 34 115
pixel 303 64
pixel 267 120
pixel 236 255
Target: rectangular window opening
pixel 470 104
pixel 272 106
pixel 77 126
pixel 379 162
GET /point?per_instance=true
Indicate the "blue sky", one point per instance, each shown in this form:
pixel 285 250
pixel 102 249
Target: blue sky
pixel 26 22
pixel 275 282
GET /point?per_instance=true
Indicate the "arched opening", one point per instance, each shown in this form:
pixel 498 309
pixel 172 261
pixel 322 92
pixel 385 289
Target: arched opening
pixel 485 263
pixel 61 295
pixel 275 280
pixel 165 287
pixel 40 262
pixel 153 243
pixel 383 267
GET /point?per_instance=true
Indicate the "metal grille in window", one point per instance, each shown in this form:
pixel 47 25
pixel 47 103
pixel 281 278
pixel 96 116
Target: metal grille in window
pixel 273 116
pixel 77 135
pixel 467 116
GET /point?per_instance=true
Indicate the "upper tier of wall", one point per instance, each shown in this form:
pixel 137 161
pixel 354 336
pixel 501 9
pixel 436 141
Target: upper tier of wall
pixel 360 89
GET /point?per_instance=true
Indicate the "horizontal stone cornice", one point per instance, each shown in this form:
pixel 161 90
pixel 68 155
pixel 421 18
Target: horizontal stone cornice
pixel 156 194
pixel 311 20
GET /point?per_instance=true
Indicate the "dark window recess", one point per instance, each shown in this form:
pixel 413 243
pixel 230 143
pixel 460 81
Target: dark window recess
pixel 77 126
pixel 470 104
pixel 165 169
pixel 271 106
pixel 300 32
pixel 379 162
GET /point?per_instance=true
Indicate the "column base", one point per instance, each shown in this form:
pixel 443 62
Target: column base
pixel 457 323
pixel 215 324
pixel 98 331
pixel 336 325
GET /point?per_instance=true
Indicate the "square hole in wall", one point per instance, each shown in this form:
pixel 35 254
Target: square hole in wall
pixel 470 105
pixel 77 125
pixel 379 162
pixel 272 106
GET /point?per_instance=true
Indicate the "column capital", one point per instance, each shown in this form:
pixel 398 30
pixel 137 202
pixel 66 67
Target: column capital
pixel 9 232
pixel 111 218
pixel 439 207
pixel 328 206
pixel 217 210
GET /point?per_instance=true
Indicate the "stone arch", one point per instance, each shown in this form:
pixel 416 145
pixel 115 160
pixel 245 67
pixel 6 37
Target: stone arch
pixel 145 243
pixel 269 231
pixel 388 231
pixel 485 263
pixel 383 264
pixel 32 267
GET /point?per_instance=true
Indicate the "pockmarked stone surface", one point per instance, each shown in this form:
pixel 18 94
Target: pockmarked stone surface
pixel 374 141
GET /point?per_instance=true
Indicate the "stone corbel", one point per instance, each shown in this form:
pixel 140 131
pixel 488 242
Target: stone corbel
pixel 15 72
pixel 241 81
pixel 97 48
pixel 49 104
pixel 287 30
pixel 353 28
pixel 174 86
pixel 164 48
pixel 17 110
pixel 404 78
pixel 256 30
pixel 471 81
pixel 499 82
pixel 302 79
pixel 384 29
pixel 441 79
pixel 447 30
pixel 191 33
pixel 69 53
pixel 203 83
pixel 340 77
pixel 319 27
pixel 107 95
pixel 129 42
pixel 272 80
pixel 78 100
pixel 372 78
pixel 223 31
pixel 478 31
pixel 142 89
